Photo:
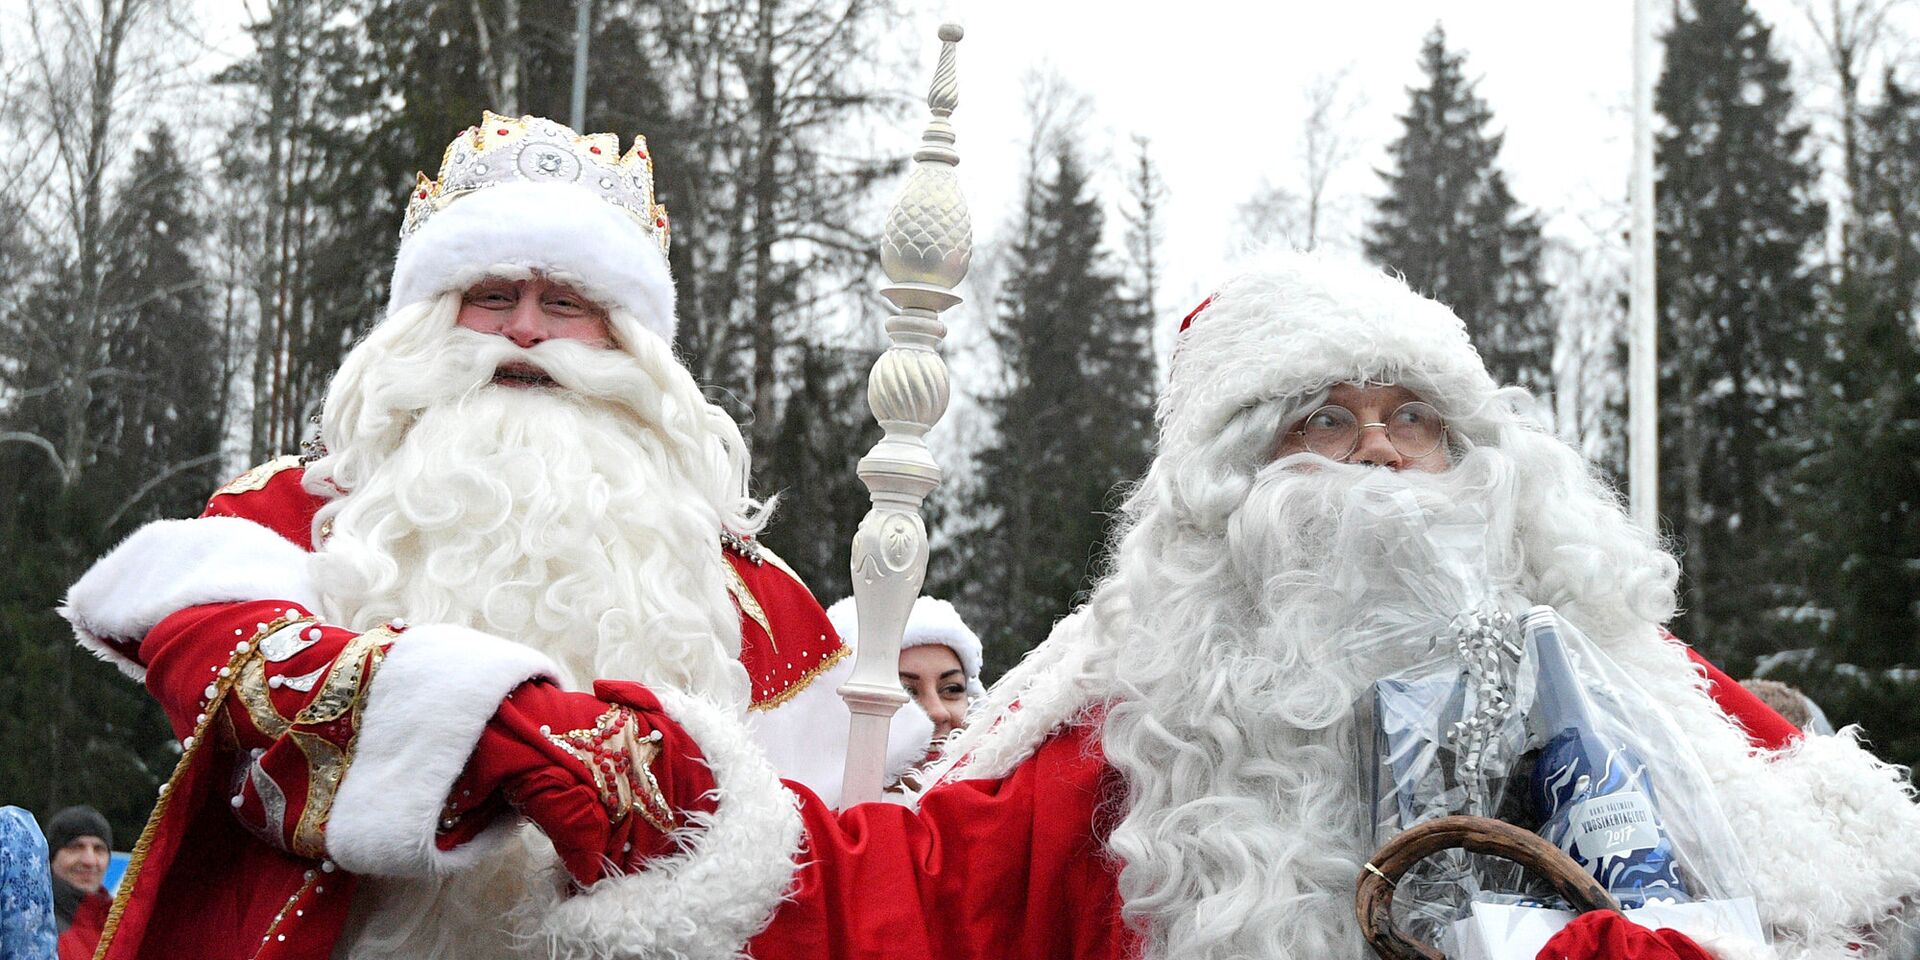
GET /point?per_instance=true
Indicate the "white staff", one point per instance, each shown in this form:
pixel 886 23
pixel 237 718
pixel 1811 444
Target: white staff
pixel 925 249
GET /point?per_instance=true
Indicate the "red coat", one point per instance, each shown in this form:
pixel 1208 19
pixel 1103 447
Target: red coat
pixel 1013 868
pixel 247 850
pixel 79 940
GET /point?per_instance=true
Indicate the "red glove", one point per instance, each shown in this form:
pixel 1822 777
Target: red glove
pixel 607 777
pixel 1606 935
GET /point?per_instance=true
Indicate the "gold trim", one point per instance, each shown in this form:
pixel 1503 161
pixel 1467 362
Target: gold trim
pixel 252 688
pixel 748 603
pixel 344 691
pixel 239 667
pixel 631 790
pixel 130 880
pixel 345 686
pixel 258 477
pixel 774 559
pixel 806 679
pixel 325 764
pixel 281 917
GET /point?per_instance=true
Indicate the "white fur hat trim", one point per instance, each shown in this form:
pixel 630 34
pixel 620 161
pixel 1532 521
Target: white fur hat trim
pixel 562 230
pixel 931 621
pixel 1295 323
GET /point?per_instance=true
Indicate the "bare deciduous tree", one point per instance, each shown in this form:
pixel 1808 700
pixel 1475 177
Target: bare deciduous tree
pixel 1299 215
pixel 772 222
pixel 88 63
pixel 1850 35
pixel 1326 143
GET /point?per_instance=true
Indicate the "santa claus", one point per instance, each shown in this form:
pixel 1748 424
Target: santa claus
pixel 1171 774
pixel 518 487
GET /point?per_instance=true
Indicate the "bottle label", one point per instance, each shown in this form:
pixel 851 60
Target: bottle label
pixel 1611 826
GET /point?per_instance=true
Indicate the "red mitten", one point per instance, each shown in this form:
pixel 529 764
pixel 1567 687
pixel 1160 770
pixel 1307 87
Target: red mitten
pixel 1606 935
pixel 607 778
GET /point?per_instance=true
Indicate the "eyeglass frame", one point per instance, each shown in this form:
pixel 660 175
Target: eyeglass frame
pixel 1446 430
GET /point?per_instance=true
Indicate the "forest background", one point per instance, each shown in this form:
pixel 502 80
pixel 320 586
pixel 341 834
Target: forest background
pixel 201 215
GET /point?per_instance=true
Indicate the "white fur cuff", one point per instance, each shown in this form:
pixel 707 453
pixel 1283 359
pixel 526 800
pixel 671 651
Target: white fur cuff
pixel 170 565
pixel 707 903
pixel 426 707
pixel 1830 833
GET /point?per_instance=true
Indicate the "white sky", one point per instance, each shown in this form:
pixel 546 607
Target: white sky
pixel 1219 87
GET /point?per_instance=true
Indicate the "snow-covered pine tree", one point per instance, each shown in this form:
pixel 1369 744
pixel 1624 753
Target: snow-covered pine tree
pixel 1451 226
pixel 1857 499
pixel 1739 227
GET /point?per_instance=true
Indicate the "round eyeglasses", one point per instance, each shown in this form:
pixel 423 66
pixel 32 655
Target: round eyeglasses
pixel 1414 428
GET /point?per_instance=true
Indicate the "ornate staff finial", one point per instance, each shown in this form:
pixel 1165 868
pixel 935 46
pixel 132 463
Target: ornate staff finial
pixel 925 249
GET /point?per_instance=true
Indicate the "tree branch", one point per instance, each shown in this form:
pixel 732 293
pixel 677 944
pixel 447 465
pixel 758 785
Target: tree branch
pixel 36 440
pixel 148 487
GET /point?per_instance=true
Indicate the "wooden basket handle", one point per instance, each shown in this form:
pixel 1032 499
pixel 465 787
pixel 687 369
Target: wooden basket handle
pixel 1374 900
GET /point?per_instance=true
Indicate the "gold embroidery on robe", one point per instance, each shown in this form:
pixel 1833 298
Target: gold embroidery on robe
pixel 749 604
pixel 257 478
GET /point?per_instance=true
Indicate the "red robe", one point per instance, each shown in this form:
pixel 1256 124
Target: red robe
pixel 245 853
pixel 1013 868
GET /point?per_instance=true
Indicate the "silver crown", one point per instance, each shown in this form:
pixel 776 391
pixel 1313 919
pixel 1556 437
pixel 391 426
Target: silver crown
pixel 502 150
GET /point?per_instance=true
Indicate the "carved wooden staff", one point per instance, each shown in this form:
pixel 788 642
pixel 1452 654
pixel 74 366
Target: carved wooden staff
pixel 1373 901
pixel 925 250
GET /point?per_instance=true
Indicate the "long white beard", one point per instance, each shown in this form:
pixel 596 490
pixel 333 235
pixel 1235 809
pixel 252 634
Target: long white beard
pixel 1250 605
pixel 550 517
pixel 583 521
pixel 1233 721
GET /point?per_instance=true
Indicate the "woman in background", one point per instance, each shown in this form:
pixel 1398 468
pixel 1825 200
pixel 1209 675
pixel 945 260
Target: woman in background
pixel 939 661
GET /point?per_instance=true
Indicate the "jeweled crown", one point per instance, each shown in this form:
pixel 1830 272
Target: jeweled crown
pixel 537 150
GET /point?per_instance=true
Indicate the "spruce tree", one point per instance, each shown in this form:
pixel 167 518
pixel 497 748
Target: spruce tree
pixel 1451 226
pixel 1856 498
pixel 74 728
pixel 824 432
pixel 1738 227
pixel 1072 421
pixel 162 427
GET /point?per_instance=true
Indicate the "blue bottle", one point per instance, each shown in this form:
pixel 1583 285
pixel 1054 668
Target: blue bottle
pixel 1591 792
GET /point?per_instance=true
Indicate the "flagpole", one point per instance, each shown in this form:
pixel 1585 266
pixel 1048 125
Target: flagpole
pixel 582 26
pixel 1643 464
pixel 925 249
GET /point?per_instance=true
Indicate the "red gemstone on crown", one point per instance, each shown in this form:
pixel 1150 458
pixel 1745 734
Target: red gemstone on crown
pixel 502 131
pixel 593 149
pixel 423 194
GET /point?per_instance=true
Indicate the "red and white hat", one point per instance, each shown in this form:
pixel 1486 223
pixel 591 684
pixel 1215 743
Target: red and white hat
pixel 526 194
pixel 1295 323
pixel 931 621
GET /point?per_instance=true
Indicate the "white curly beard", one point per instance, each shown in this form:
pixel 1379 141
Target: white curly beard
pixel 1247 652
pixel 1250 606
pixel 582 520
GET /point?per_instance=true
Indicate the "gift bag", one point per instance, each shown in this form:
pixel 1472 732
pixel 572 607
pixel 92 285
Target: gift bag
pixel 1508 711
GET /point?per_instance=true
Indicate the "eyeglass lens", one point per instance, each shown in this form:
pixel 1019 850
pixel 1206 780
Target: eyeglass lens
pixel 1415 429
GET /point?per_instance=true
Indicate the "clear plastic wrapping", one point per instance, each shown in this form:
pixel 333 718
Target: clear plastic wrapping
pixel 1508 711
